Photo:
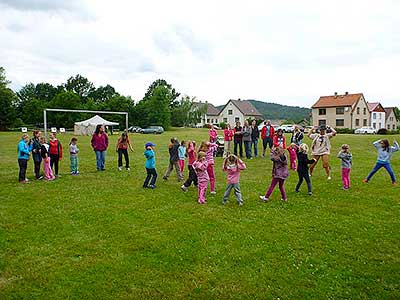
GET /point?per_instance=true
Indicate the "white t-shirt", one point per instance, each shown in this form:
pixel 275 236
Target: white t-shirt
pixel 321 144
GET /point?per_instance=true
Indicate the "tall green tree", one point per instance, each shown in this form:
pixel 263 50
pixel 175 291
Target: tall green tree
pixel 79 85
pixel 162 83
pixel 7 102
pixel 103 93
pixel 158 107
pixel 186 112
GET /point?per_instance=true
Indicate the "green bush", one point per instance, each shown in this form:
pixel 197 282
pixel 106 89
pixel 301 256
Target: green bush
pixel 344 130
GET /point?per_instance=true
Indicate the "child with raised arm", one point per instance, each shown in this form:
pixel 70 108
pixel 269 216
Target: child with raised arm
pixel 73 156
pixel 182 155
pixel 279 173
pixel 209 149
pixel 232 165
pixel 192 174
pixel 302 168
pixel 150 166
pixel 293 148
pixel 200 167
pixel 44 152
pixel 347 160
pixel 385 152
pixel 173 160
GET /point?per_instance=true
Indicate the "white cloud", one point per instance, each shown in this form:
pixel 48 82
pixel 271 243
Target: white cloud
pixel 289 52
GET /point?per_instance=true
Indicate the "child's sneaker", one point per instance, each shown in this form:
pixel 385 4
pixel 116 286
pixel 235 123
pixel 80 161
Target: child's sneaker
pixel 128 169
pixel 394 183
pixel 264 199
pixel 365 180
pixel 284 200
pixel 329 177
pixel 310 193
pixel 119 168
pixel 184 188
pixel 165 178
pixel 151 186
pixel 213 192
pixel 296 191
pixel 241 203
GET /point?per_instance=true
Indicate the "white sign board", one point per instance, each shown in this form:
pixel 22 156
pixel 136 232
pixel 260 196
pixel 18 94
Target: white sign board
pixel 62 130
pixel 53 129
pixel 24 129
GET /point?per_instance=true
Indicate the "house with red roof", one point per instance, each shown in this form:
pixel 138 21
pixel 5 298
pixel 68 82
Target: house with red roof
pixel 392 122
pixel 378 115
pixel 341 111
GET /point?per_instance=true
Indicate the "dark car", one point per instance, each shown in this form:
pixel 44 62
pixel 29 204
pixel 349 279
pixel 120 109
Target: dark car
pixel 220 142
pixel 153 129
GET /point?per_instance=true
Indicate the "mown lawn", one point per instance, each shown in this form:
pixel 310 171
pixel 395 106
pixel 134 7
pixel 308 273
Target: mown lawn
pixel 101 236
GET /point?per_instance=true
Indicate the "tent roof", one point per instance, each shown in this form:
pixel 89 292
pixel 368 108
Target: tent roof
pixel 95 121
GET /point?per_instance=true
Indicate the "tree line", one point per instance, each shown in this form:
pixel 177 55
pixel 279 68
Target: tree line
pixel 162 105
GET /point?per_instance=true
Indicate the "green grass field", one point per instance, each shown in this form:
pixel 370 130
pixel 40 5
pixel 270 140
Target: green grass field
pixel 99 235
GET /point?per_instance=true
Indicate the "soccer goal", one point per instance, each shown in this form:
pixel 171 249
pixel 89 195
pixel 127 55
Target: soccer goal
pixel 82 111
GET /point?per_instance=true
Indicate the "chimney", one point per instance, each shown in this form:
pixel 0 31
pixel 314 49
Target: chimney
pixel 239 99
pixel 335 94
pixel 346 93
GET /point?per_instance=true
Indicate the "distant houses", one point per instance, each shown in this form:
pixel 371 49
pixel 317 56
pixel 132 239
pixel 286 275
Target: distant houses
pixel 352 111
pixel 233 111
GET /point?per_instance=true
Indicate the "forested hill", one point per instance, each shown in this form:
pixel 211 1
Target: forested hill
pixel 281 112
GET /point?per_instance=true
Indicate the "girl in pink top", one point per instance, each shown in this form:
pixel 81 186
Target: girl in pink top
pixel 209 149
pixel 200 167
pixel 212 133
pixel 228 136
pixel 191 152
pixel 293 148
pixel 232 166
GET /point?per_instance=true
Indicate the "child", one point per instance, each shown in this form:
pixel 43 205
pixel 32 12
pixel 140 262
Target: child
pixel 232 166
pixel 192 174
pixel 347 159
pixel 209 149
pixel 44 151
pixel 385 152
pixel 150 166
pixel 24 148
pixel 279 139
pixel 55 151
pixel 200 167
pixel 173 160
pixel 279 173
pixel 122 148
pixel 182 156
pixel 73 156
pixel 293 148
pixel 302 168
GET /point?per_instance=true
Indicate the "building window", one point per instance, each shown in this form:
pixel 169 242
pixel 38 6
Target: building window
pixel 230 112
pixel 340 110
pixel 208 120
pixel 374 116
pixel 388 127
pixel 357 122
pixel 358 110
pixel 394 127
pixel 339 122
pixel 321 122
pixel 237 119
pixel 322 111
pixel 225 120
pixel 364 111
pixel 365 122
pixel 374 125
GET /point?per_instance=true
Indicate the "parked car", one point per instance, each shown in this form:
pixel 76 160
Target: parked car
pixel 382 131
pixel 134 129
pixel 286 128
pixel 153 129
pixel 365 130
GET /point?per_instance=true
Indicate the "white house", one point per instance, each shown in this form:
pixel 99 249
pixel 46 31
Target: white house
pixel 238 110
pixel 391 119
pixel 211 115
pixel 378 115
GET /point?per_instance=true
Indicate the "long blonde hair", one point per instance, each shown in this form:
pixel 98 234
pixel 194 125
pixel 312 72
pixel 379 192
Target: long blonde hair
pixel 304 148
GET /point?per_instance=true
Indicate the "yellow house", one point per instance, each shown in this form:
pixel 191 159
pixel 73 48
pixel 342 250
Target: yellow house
pixel 341 111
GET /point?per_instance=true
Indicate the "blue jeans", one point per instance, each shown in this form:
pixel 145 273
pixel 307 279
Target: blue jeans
pixel 380 165
pixel 247 149
pixel 254 144
pixel 100 159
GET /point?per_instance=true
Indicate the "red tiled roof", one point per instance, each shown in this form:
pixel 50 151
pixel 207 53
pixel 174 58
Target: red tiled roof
pixel 375 106
pixel 337 101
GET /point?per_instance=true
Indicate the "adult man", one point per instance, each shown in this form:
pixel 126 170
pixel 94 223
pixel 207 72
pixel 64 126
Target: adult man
pixel 267 134
pixel 321 148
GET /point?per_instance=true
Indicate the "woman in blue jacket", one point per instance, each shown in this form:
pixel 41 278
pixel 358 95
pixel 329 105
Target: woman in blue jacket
pixel 24 149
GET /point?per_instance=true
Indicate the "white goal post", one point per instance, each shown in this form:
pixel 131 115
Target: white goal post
pixel 82 111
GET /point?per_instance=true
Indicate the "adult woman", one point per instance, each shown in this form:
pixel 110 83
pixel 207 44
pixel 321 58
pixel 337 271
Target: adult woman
pixel 255 135
pixel 237 140
pixel 100 144
pixel 37 158
pixel 228 135
pixel 122 148
pixel 297 136
pixel 24 148
pixel 247 139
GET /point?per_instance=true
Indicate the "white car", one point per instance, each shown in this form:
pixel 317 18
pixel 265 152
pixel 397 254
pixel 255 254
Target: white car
pixel 365 130
pixel 286 128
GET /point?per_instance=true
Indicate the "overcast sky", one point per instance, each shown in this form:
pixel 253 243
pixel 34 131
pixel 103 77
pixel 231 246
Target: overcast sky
pixel 288 52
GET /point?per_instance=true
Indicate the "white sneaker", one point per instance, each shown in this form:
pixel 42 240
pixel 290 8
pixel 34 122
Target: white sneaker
pixel 184 188
pixel 329 177
pixel 128 169
pixel 264 199
pixel 213 192
pixel 119 168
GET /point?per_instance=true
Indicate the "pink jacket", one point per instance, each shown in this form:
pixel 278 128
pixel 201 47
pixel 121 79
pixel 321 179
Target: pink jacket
pixel 228 134
pixel 213 135
pixel 200 167
pixel 233 171
pixel 210 153
pixel 292 153
pixel 191 154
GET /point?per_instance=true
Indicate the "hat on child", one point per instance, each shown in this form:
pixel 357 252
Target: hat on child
pixel 149 144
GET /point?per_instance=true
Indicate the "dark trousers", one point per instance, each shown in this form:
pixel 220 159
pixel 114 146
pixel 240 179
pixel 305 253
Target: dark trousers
pixel 125 153
pixel 247 149
pixel 37 160
pixel 150 173
pixel 267 142
pixel 235 146
pixel 54 159
pixel 306 177
pixel 23 164
pixel 192 177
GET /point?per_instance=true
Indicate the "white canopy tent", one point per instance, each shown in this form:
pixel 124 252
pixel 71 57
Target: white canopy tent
pixel 88 126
